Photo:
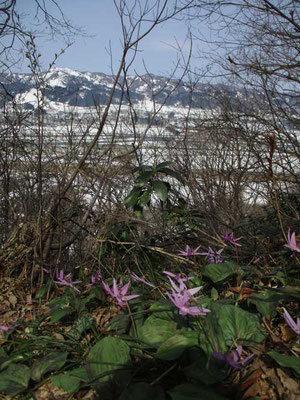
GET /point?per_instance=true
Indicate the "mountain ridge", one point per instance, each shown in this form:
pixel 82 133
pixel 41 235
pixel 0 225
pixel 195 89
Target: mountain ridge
pixel 87 89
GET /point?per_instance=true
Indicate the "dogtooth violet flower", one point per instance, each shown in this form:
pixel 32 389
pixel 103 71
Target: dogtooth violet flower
pixel 181 297
pixel 295 326
pixel 182 302
pixel 181 288
pixel 233 358
pixel 189 252
pixel 7 328
pixel 95 279
pixel 213 257
pixel 177 277
pixel 119 294
pixel 228 237
pixel 142 280
pixel 66 280
pixel 292 244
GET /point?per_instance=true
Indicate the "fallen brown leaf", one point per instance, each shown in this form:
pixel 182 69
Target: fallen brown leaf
pixel 291 387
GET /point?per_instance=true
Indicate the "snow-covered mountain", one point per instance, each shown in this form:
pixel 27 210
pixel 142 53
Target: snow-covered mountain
pixel 85 89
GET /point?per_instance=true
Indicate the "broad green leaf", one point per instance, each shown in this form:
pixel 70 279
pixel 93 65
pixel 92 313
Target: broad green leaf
pixel 142 168
pixel 79 326
pixel 266 302
pixel 219 272
pixel 108 358
pixel 119 324
pixel 138 210
pixel 70 382
pixel 289 291
pixel 204 371
pixel 3 356
pixel 238 325
pixel 14 379
pixel 132 198
pixel 41 291
pixel 52 362
pixel 60 314
pixel 286 361
pixel 12 360
pixel 163 311
pixel 172 173
pixel 188 391
pixel 143 178
pixel 145 198
pixel 156 330
pixel 173 347
pixel 214 294
pixel 161 190
pixel 162 165
pixel 142 391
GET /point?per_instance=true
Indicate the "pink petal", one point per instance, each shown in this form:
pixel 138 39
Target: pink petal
pixel 130 297
pixel 124 289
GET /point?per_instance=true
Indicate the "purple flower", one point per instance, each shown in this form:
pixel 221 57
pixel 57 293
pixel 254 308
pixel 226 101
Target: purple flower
pixel 213 257
pixel 95 279
pixel 228 237
pixel 189 252
pixel 181 297
pixel 295 326
pixel 181 289
pixel 292 244
pixel 182 302
pixel 119 294
pixel 177 277
pixel 142 280
pixel 66 280
pixel 6 328
pixel 233 359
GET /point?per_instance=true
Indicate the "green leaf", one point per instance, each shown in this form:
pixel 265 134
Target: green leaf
pixel 172 173
pixel 188 391
pixel 286 361
pixel 41 291
pixel 119 324
pixel 60 314
pixel 238 325
pixel 161 190
pixel 142 391
pixel 108 358
pixel 156 330
pixel 143 178
pixel 145 198
pixel 79 326
pixel 204 371
pixel 173 347
pixel 132 198
pixel 3 356
pixel 162 165
pixel 214 294
pixel 138 211
pixel 70 382
pixel 52 362
pixel 142 168
pixel 163 311
pixel 219 272
pixel 266 302
pixel 14 379
pixel 289 291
